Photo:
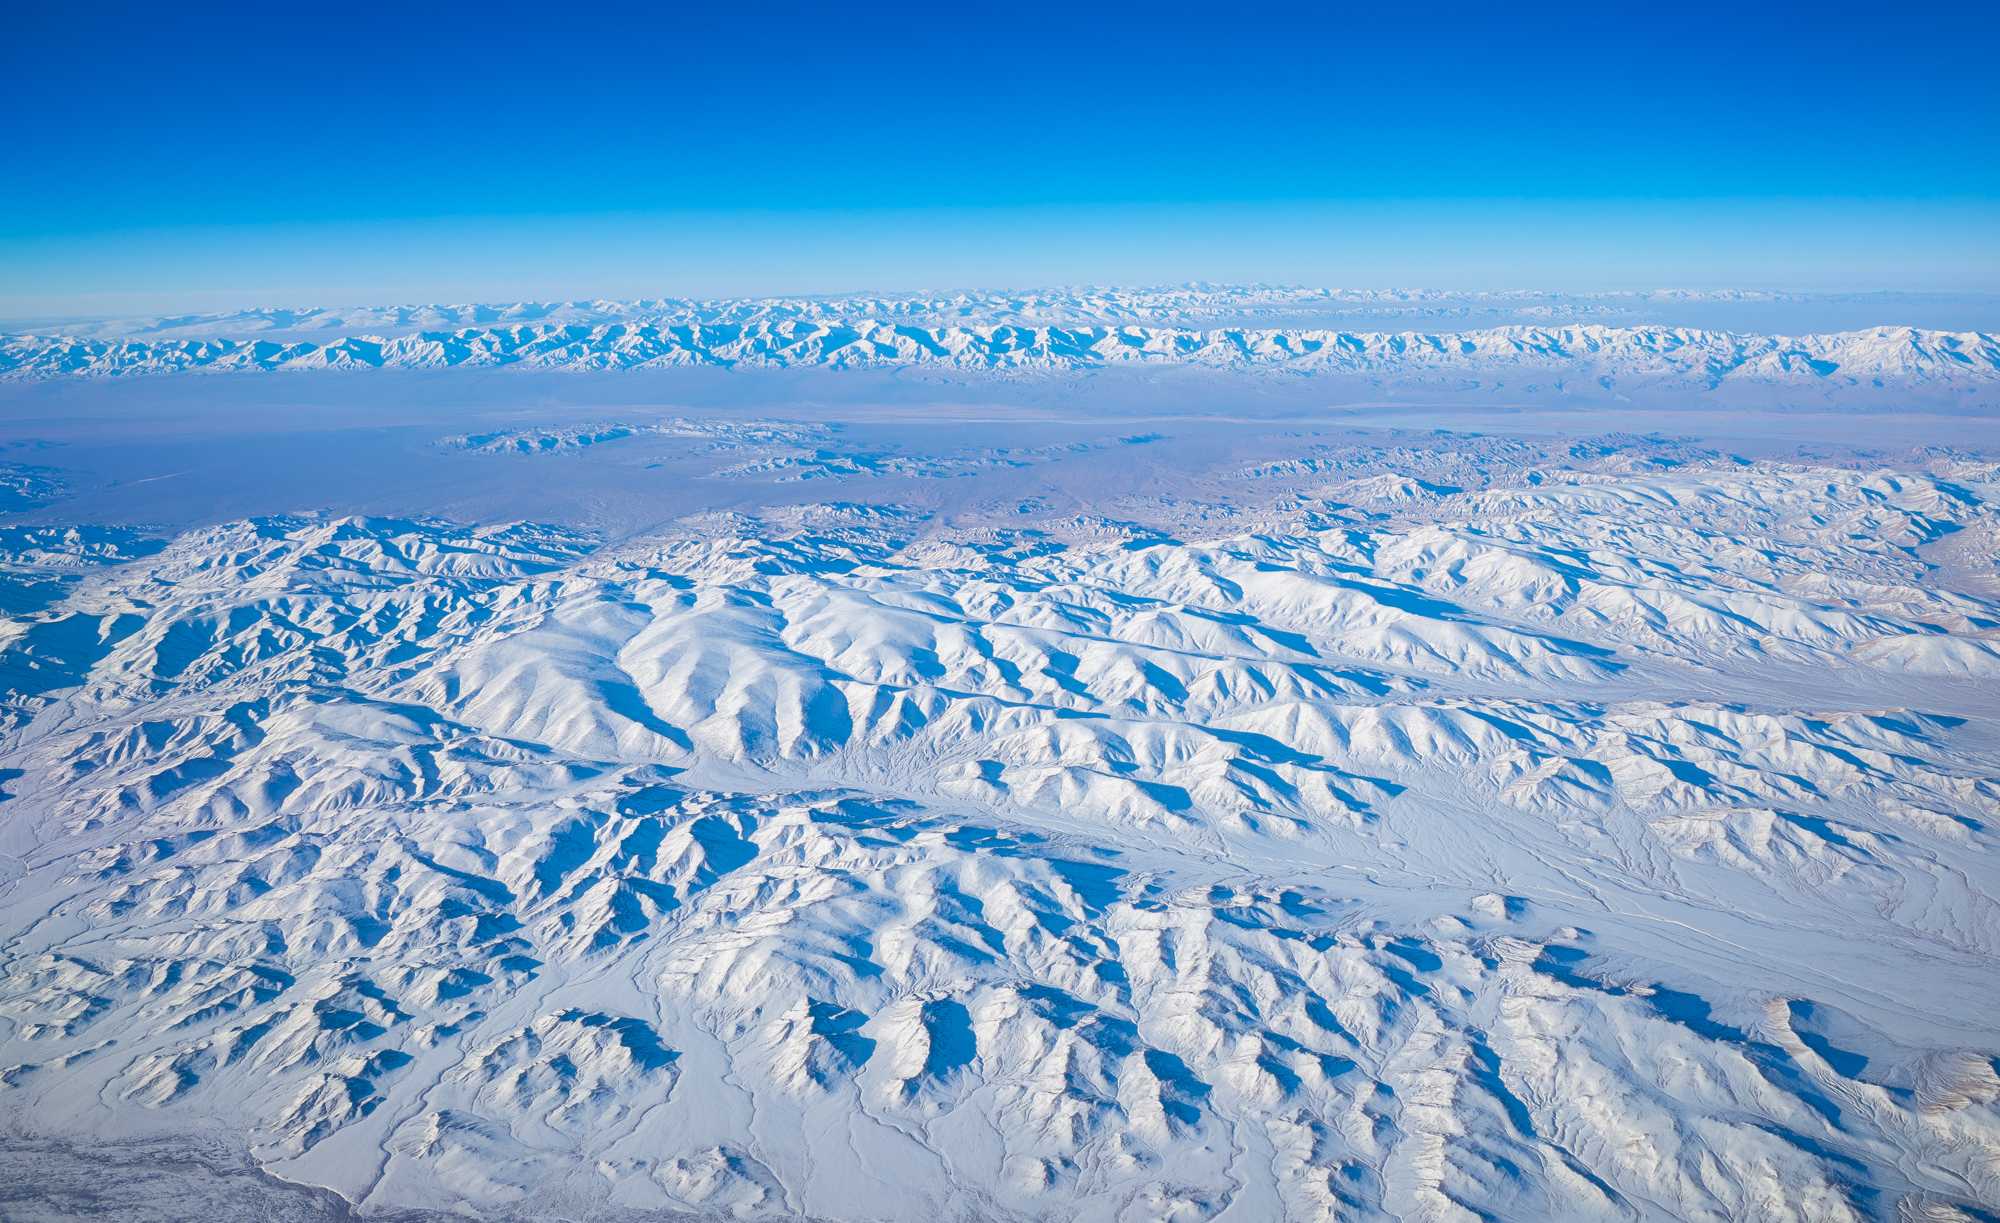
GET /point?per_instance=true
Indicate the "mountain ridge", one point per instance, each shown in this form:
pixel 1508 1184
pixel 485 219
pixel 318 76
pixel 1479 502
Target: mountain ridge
pixel 1179 305
pixel 1692 356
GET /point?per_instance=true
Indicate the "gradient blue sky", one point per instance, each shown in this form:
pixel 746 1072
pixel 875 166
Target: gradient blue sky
pixel 166 158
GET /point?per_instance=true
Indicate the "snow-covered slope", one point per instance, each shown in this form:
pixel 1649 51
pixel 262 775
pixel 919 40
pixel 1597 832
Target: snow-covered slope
pixel 1584 845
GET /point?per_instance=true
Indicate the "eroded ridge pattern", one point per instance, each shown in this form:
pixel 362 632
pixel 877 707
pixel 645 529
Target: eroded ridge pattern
pixel 1582 844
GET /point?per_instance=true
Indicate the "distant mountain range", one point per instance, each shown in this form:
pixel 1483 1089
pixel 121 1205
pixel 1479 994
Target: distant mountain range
pixel 1193 305
pixel 1048 331
pixel 1606 355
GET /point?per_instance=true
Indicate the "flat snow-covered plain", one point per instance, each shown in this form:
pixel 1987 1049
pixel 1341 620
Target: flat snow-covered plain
pixel 1523 783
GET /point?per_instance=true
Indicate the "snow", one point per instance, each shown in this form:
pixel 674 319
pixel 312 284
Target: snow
pixel 1603 356
pixel 1326 823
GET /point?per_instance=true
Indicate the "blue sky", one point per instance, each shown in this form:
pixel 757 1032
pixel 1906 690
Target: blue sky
pixel 178 158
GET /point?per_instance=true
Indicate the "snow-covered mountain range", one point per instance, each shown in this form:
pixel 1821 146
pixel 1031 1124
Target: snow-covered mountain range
pixel 1194 305
pixel 1216 328
pixel 1601 831
pixel 1068 756
pixel 1903 356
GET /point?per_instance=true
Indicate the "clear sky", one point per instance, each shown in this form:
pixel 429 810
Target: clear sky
pixel 163 157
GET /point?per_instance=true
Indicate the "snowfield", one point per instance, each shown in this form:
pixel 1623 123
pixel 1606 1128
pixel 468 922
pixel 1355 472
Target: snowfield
pixel 1493 830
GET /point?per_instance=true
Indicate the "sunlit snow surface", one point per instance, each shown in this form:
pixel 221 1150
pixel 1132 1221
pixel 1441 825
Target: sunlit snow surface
pixel 1190 806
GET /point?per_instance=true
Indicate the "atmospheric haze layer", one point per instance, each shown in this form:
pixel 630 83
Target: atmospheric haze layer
pixel 1188 754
